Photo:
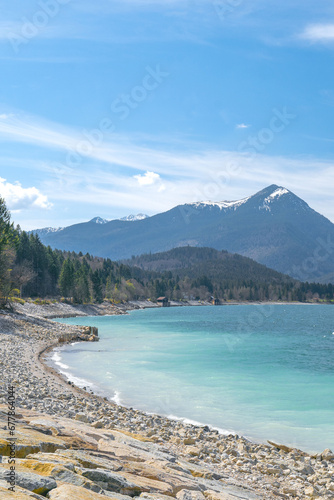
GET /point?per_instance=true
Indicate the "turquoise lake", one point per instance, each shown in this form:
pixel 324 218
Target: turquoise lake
pixel 262 371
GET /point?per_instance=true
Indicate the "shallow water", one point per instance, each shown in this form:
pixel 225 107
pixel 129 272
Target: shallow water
pixel 263 371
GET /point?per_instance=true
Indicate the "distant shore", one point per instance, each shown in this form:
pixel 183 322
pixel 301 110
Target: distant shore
pixel 261 471
pixel 55 310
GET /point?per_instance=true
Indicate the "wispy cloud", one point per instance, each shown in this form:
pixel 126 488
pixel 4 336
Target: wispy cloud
pixel 22 31
pixel 242 126
pixel 111 173
pixel 110 6
pixel 115 150
pixel 308 178
pixel 318 33
pixel 103 21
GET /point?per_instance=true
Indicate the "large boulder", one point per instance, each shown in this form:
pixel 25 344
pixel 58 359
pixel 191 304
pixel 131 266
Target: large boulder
pixel 66 476
pixel 190 495
pixel 113 482
pixel 30 441
pixel 32 482
pixel 20 493
pixel 327 455
pixel 232 493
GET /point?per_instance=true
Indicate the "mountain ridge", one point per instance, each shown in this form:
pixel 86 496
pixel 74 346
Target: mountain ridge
pixel 209 262
pixel 273 227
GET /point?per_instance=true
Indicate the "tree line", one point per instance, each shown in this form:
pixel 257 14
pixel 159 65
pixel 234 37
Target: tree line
pixel 29 269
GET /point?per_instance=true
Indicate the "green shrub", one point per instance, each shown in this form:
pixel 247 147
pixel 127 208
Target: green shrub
pixel 41 302
pixel 17 300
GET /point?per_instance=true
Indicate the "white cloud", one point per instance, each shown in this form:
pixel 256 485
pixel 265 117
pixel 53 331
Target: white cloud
pixel 206 175
pixel 242 125
pixel 148 178
pixel 19 198
pixel 319 33
pixel 194 172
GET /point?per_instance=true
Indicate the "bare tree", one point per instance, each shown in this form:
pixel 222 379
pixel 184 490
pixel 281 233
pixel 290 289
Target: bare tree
pixel 22 274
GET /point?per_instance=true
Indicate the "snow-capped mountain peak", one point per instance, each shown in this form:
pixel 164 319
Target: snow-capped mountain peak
pixel 99 220
pixel 222 205
pixel 278 193
pixel 132 218
pixel 47 230
pixel 274 196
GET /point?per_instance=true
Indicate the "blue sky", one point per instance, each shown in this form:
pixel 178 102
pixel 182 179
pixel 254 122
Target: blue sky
pixel 115 107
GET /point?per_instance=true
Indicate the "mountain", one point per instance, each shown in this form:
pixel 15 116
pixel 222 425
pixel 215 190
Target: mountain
pixel 274 227
pixel 201 273
pixel 96 220
pixel 219 266
pixel 99 220
pixel 46 230
pixel 128 218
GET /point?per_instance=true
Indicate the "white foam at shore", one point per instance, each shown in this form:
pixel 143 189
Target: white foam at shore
pixel 224 432
pixel 57 361
pixel 80 382
pixel 117 398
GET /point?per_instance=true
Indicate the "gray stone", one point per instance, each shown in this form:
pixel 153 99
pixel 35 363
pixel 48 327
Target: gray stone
pixel 32 482
pixel 290 491
pixel 112 482
pixel 98 424
pixel 27 494
pixel 66 476
pixel 118 496
pixel 189 495
pixel 154 496
pixel 88 461
pixel 307 470
pixel 81 417
pixel 232 493
pixel 327 455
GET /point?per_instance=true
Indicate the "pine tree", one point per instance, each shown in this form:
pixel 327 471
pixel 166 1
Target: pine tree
pixel 7 232
pixel 8 241
pixel 81 292
pixel 66 279
pixel 97 287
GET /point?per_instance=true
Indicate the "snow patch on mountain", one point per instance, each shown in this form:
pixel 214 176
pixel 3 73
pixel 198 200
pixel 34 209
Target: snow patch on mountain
pixel 275 195
pixel 128 218
pixel 99 220
pixel 278 193
pixel 222 205
pixel 132 218
pixel 48 230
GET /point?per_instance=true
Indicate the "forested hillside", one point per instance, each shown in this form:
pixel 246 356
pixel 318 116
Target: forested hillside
pixel 228 276
pixel 29 269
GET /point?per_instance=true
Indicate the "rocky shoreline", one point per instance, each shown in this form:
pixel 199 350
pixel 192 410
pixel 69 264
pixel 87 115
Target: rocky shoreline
pixel 73 444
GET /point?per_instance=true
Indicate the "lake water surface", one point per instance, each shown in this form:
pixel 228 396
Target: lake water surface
pixel 263 371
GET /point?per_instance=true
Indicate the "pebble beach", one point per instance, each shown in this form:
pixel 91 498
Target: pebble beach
pixel 74 444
